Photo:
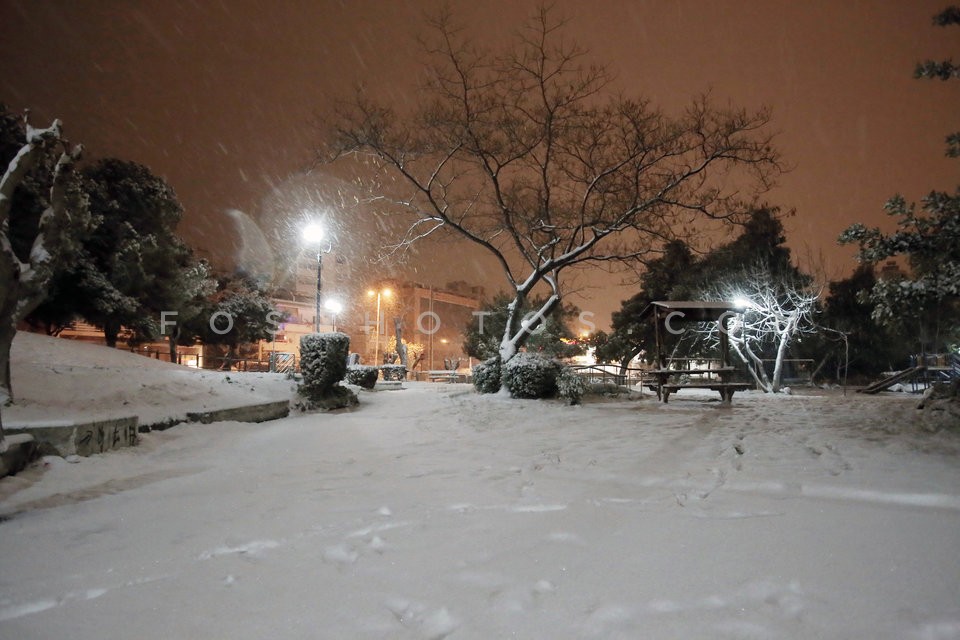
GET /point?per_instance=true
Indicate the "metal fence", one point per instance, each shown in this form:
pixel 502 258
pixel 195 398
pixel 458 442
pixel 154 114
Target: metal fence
pixel 276 362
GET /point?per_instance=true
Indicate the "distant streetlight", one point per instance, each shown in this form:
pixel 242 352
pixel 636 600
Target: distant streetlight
pixel 386 293
pixel 314 236
pixel 334 307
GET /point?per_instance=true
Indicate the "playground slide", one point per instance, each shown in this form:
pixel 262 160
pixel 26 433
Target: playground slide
pixel 888 382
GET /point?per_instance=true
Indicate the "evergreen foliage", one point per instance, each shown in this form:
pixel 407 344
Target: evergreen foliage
pixel 570 386
pixel 323 362
pixel 554 337
pixel 928 300
pixel 873 347
pixel 393 372
pixel 363 375
pixel 531 375
pixel 486 375
pixel 678 274
pixel 131 265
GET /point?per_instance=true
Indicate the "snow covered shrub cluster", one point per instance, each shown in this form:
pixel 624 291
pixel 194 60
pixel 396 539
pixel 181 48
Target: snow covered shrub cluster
pixel 362 375
pixel 323 364
pixel 486 376
pixel 323 359
pixel 570 386
pixel 394 371
pixel 530 375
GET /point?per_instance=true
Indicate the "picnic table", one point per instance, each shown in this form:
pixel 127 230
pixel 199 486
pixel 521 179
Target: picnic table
pixel 722 382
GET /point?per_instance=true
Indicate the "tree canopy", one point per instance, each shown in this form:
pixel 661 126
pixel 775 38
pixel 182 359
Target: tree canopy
pixel 529 154
pixel 131 266
pixel 928 300
pixel 554 337
pixel 679 274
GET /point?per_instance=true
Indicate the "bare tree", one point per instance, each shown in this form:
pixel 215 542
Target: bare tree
pixel 24 275
pixel 525 155
pixel 775 311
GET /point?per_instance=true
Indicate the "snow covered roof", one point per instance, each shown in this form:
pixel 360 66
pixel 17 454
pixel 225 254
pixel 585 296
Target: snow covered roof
pixel 692 310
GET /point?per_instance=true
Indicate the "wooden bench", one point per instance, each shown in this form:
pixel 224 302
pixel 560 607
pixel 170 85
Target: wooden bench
pixel 443 375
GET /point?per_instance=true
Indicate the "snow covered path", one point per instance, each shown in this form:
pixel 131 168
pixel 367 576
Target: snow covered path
pixel 433 512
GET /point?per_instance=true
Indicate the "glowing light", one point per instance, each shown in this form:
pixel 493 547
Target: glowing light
pixel 742 302
pixel 333 306
pixel 313 233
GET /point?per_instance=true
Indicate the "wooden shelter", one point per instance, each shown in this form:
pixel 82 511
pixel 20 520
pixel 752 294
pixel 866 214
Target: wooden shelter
pixel 668 316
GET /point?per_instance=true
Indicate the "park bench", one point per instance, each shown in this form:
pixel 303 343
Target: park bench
pixel 443 375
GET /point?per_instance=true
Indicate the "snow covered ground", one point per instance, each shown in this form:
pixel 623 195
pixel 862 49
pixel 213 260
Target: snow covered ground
pixel 433 512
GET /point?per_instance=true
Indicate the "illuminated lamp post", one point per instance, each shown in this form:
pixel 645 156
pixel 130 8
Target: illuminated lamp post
pixel 314 236
pixel 334 307
pixel 386 293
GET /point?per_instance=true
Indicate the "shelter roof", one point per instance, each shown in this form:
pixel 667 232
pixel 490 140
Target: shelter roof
pixel 692 310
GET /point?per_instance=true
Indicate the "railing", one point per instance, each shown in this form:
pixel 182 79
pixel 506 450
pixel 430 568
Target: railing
pixel 277 362
pixel 610 373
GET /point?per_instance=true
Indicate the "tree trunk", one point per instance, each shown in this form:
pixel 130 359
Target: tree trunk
pixel 111 330
pixel 6 388
pixel 625 364
pixel 753 363
pixel 816 370
pixel 515 333
pixel 784 337
pixel 6 344
pixel 401 348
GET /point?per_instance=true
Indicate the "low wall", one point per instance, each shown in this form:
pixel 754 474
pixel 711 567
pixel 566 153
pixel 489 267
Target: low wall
pixel 251 413
pixel 66 438
pixel 81 438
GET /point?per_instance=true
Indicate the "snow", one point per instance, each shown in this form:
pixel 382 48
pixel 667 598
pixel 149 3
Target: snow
pixel 434 512
pixel 58 382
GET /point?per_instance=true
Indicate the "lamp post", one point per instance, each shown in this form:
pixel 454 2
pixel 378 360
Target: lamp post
pixel 334 307
pixel 313 235
pixel 376 345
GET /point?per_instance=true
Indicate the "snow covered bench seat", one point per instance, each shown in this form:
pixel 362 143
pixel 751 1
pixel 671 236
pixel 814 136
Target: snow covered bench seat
pixel 443 375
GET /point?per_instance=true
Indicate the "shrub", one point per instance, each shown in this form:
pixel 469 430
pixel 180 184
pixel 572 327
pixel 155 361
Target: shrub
pixel 486 376
pixel 362 375
pixel 323 364
pixel 394 372
pixel 530 375
pixel 570 386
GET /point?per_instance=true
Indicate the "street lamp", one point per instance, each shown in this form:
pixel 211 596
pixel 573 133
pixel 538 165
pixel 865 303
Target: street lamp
pixel 334 307
pixel 314 236
pixel 376 345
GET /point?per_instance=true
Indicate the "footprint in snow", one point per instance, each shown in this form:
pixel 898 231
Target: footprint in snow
pixel 340 554
pixel 434 625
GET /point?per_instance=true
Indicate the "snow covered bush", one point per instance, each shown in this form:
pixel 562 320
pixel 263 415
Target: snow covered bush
pixel 394 372
pixel 362 375
pixel 323 364
pixel 486 376
pixel 530 375
pixel 570 386
pixel 323 359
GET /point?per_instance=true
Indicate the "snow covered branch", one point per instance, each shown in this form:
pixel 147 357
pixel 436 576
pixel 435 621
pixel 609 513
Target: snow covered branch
pixel 775 312
pixel 520 153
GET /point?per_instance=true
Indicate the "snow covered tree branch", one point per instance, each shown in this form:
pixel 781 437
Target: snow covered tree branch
pixel 776 311
pixel 28 261
pixel 523 154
